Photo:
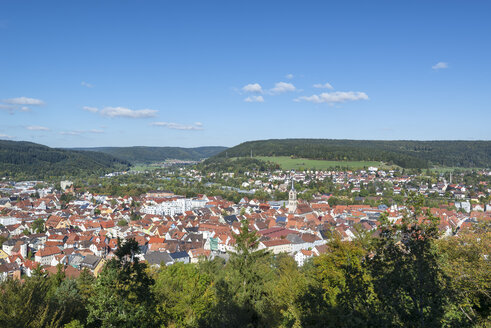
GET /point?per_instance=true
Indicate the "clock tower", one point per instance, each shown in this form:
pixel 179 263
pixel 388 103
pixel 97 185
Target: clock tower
pixel 292 199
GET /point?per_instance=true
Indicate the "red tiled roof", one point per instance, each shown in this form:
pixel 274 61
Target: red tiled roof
pixel 276 242
pixel 48 251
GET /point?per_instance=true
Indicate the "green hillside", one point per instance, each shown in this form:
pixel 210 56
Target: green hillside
pixel 20 159
pixel 157 154
pixel 288 163
pixel 408 154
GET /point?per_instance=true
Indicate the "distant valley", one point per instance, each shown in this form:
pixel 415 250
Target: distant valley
pixel 142 154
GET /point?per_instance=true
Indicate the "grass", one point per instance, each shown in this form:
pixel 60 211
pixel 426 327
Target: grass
pixel 143 167
pixel 288 163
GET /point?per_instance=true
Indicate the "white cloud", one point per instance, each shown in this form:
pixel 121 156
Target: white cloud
pixel 90 109
pixel 289 76
pixel 334 97
pixel 20 104
pixel 253 87
pixel 71 133
pixel 37 128
pixel 254 99
pixel 178 126
pixel 282 87
pixel 80 132
pixel 323 86
pixel 24 101
pixel 126 112
pixel 86 84
pixel 440 65
pixel 4 136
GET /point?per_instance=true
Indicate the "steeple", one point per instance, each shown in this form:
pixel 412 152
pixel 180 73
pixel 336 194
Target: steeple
pixel 292 199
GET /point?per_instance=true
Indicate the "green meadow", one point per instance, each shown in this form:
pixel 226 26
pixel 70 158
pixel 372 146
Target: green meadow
pixel 144 167
pixel 288 163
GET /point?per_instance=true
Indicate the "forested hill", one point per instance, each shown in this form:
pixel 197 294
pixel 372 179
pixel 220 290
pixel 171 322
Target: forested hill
pixel 27 160
pixel 408 154
pixel 158 154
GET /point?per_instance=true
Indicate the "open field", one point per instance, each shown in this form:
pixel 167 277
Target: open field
pixel 144 167
pixel 288 163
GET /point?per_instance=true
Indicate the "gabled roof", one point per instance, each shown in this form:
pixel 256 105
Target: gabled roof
pixel 48 251
pixel 197 252
pixel 276 242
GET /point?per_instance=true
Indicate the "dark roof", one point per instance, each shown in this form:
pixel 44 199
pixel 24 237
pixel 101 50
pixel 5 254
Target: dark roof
pixel 194 237
pixel 295 239
pixel 230 219
pixel 10 242
pixel 179 255
pixel 156 258
pixel 90 261
pixel 280 219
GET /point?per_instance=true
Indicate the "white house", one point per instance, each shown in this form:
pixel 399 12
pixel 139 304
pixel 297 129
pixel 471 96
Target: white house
pixel 276 246
pixel 302 256
pixel 46 255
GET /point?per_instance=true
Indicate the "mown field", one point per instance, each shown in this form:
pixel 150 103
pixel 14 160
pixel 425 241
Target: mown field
pixel 288 163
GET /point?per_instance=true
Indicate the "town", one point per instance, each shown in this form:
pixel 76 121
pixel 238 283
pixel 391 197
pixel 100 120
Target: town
pixel 66 227
pixel 245 164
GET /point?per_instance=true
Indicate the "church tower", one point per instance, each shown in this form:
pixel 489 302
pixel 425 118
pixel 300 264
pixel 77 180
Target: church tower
pixel 292 200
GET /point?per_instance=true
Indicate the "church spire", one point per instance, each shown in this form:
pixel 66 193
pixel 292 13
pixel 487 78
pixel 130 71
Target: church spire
pixel 292 199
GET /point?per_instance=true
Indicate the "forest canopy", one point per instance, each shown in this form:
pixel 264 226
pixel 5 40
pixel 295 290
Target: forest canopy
pixel 407 154
pixel 27 160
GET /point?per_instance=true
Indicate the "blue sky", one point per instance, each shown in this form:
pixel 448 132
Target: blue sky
pixel 195 73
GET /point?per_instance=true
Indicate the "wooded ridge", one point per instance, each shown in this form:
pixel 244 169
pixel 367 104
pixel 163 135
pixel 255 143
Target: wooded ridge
pixel 405 153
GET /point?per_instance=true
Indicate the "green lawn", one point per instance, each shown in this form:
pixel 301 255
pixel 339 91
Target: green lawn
pixel 288 163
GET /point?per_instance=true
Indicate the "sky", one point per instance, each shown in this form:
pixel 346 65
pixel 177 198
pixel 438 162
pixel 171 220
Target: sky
pixel 203 73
